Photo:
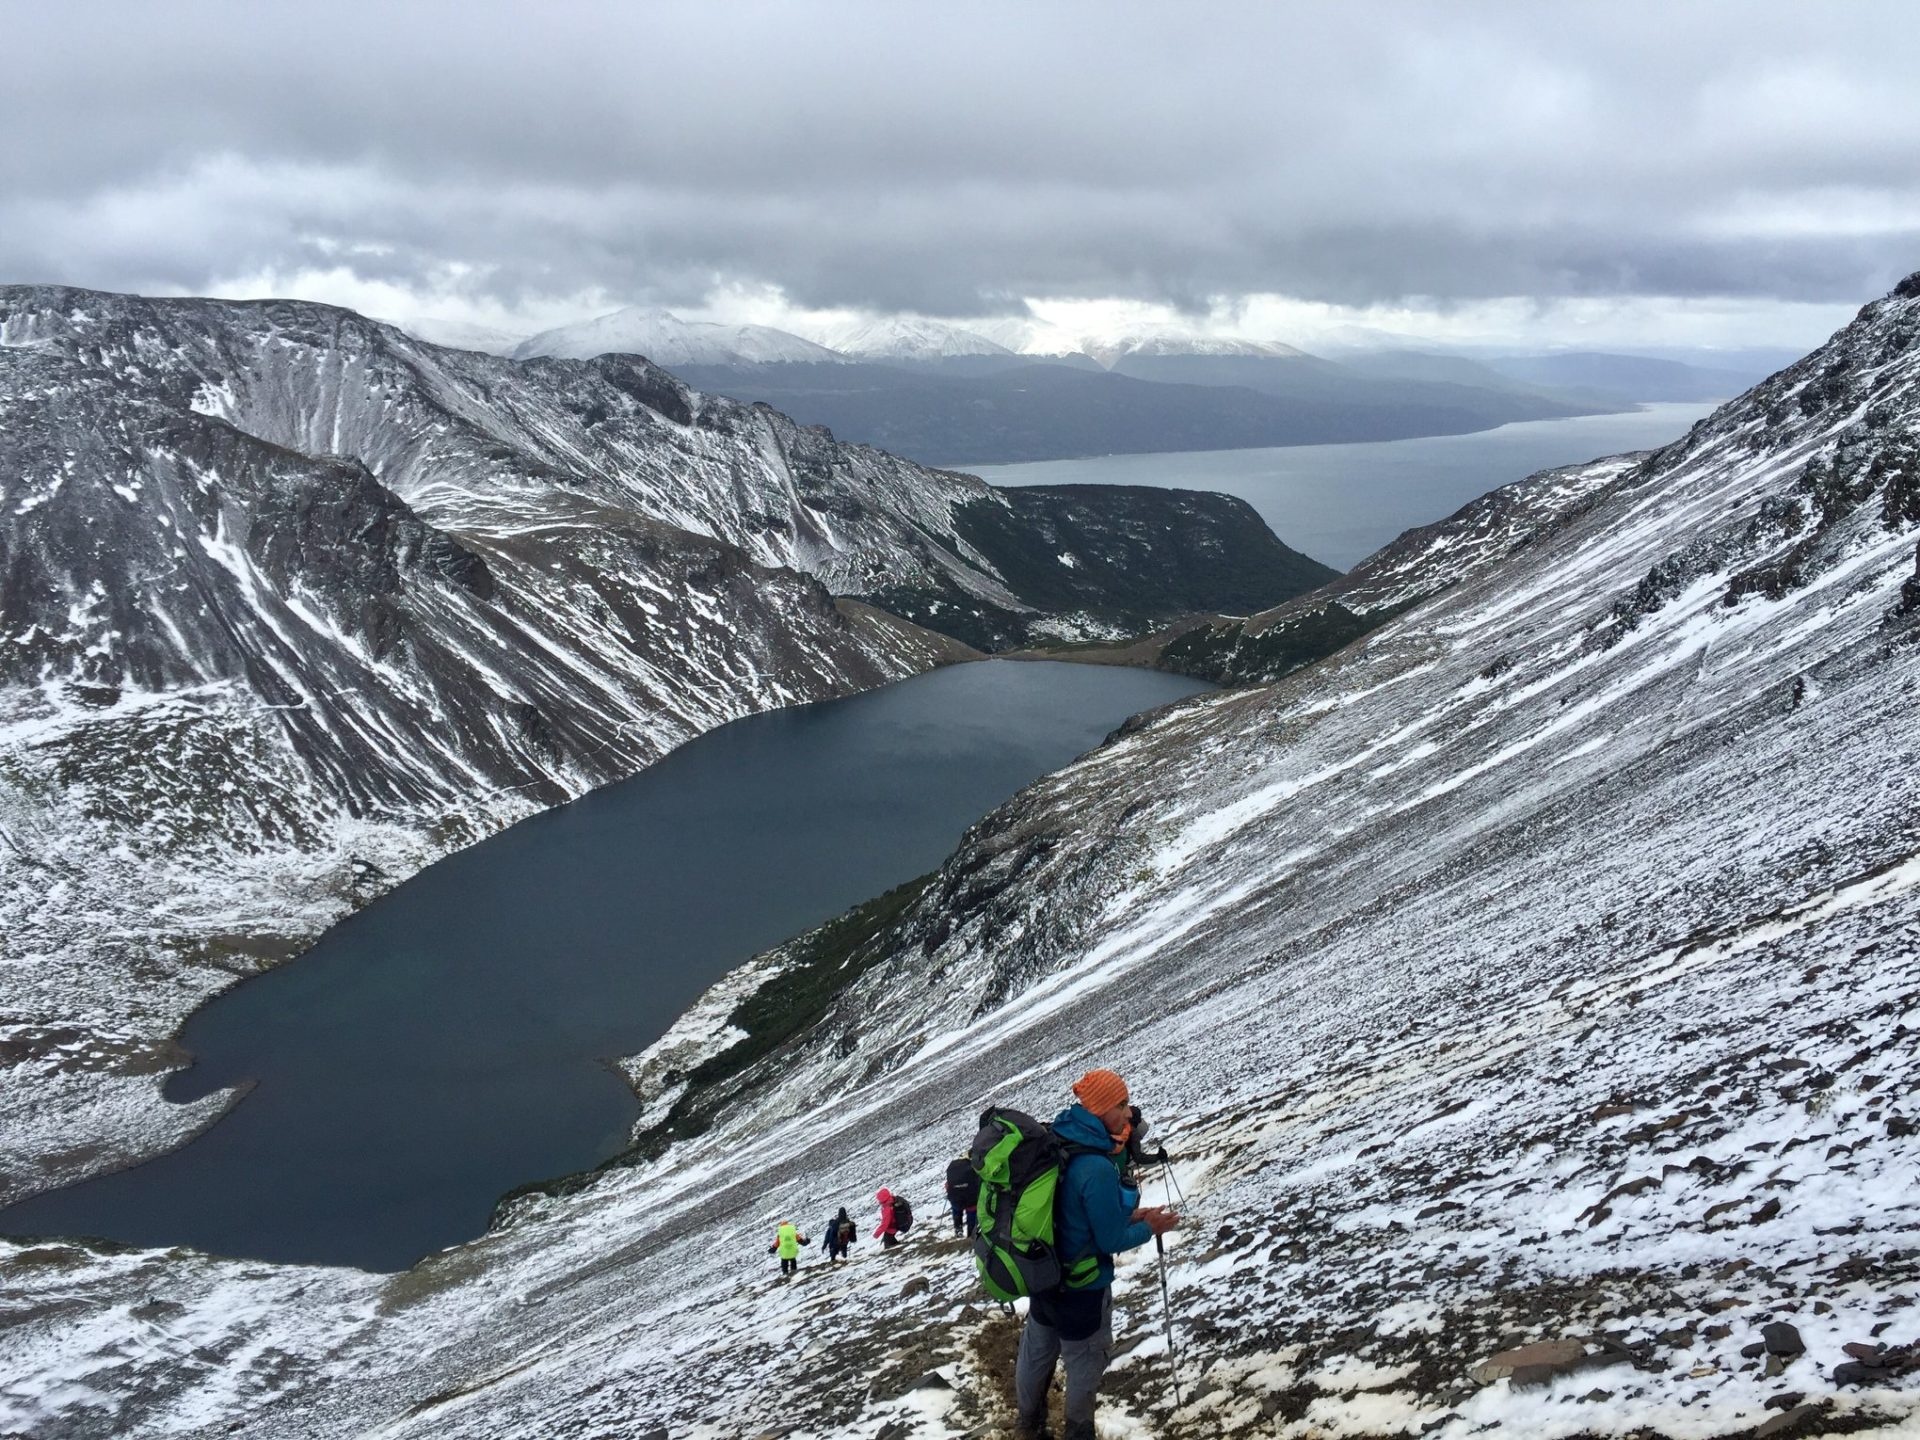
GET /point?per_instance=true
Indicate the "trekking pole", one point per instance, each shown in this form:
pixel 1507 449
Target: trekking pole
pixel 1174 1192
pixel 1166 1299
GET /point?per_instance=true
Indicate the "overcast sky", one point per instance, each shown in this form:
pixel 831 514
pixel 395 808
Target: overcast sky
pixel 1673 172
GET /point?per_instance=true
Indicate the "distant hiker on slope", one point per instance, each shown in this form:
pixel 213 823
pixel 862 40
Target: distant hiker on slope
pixel 1097 1217
pixel 963 1196
pixel 836 1237
pixel 896 1215
pixel 787 1241
pixel 1136 1153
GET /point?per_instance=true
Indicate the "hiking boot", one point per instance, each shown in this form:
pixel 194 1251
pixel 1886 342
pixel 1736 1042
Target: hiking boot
pixel 1080 1430
pixel 1025 1429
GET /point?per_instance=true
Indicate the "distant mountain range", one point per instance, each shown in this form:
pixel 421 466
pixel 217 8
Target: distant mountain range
pixel 1015 390
pixel 1624 377
pixel 1013 411
pixel 668 340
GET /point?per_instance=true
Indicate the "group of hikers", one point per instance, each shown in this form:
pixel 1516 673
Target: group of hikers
pixel 896 1218
pixel 1060 1201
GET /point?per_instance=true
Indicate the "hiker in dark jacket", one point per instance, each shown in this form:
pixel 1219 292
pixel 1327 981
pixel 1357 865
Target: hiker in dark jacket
pixel 1098 1217
pixel 963 1196
pixel 836 1237
pixel 1136 1154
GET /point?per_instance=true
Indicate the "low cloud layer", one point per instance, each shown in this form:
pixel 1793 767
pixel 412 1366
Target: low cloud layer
pixel 508 159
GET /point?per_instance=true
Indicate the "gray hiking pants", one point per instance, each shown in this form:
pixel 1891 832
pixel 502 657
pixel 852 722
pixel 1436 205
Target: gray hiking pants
pixel 1077 1330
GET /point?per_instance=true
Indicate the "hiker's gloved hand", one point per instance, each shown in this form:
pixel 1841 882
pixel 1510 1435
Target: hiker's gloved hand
pixel 1158 1220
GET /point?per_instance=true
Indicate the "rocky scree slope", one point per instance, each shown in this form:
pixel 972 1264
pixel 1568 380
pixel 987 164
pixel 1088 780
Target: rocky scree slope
pixel 291 604
pixel 1542 968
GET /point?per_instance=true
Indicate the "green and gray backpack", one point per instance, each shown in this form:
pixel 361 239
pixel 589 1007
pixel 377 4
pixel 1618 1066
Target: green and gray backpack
pixel 1020 1162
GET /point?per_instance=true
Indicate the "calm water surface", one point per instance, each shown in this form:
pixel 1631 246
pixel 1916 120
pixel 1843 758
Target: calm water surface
pixel 1340 503
pixel 441 1046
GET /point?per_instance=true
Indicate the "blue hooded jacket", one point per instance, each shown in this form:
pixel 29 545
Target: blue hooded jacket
pixel 1095 1208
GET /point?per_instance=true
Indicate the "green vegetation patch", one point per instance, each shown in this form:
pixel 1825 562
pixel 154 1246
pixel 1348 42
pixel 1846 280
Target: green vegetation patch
pixel 1230 656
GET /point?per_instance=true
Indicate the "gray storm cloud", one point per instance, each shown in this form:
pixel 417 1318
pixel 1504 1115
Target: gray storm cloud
pixel 951 160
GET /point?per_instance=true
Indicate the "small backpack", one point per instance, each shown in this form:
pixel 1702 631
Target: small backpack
pixel 1020 1162
pixel 902 1214
pixel 846 1232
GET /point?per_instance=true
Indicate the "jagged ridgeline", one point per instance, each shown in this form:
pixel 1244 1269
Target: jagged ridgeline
pixel 291 603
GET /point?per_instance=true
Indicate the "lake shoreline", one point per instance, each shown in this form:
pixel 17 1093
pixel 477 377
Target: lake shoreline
pixel 284 1025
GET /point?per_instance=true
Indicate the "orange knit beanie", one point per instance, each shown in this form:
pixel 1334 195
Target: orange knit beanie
pixel 1100 1090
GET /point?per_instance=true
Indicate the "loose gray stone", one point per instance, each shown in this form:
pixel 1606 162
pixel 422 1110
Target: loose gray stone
pixel 1782 1339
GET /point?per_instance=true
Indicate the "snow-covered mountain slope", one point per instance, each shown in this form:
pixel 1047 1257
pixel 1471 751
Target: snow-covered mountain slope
pixel 905 337
pixel 1027 335
pixel 666 339
pixel 1542 967
pixel 1413 567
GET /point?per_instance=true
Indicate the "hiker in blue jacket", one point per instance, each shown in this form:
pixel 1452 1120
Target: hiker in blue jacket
pixel 1098 1216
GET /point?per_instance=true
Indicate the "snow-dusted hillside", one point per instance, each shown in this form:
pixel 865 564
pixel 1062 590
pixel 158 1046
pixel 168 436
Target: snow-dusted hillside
pixel 1414 567
pixel 1542 967
pixel 666 339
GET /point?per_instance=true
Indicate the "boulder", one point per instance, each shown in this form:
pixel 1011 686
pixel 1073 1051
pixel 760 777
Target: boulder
pixel 1858 1372
pixel 1541 1360
pixel 1782 1339
pixel 1801 1420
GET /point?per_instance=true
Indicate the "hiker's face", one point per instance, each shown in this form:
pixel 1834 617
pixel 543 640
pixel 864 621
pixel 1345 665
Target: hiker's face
pixel 1118 1120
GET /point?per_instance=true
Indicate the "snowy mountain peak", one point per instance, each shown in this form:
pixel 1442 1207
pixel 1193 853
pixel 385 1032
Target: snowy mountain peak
pixel 906 337
pixel 1157 343
pixel 666 339
pixel 458 334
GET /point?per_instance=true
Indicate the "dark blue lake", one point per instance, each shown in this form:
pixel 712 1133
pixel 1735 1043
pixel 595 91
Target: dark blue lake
pixel 443 1045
